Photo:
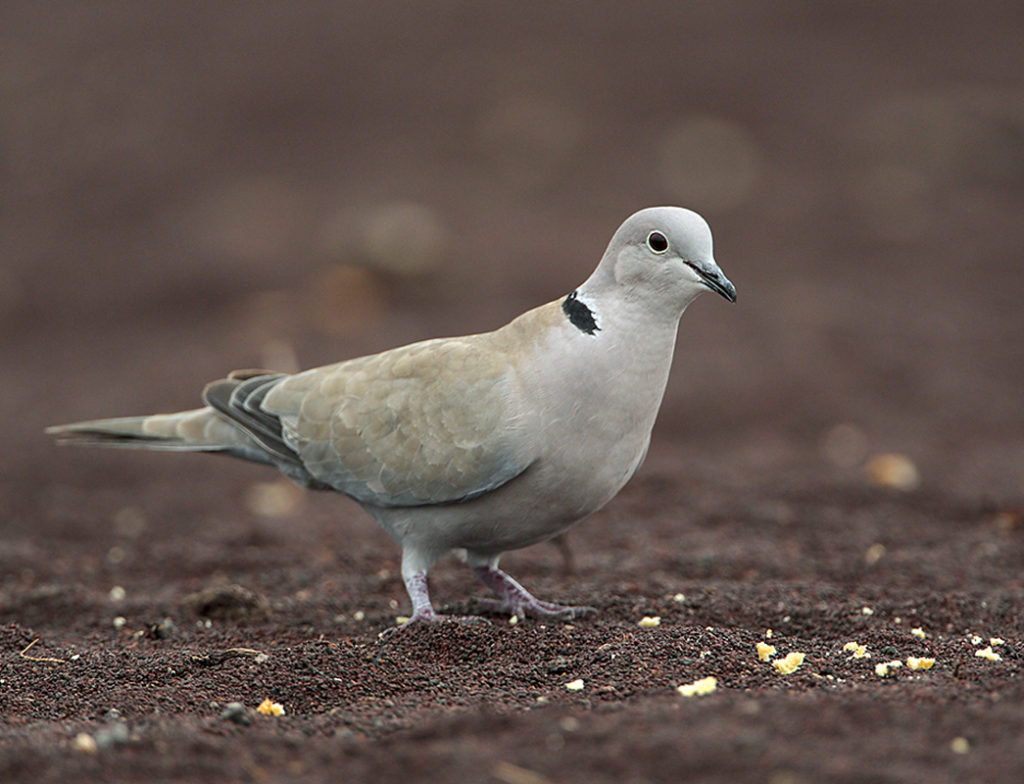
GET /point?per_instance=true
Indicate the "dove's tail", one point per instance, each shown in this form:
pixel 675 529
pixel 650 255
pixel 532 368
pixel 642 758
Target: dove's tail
pixel 232 424
pixel 199 430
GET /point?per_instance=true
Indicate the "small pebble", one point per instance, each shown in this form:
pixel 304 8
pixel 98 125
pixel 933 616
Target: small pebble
pixel 164 630
pixel 235 712
pixel 114 734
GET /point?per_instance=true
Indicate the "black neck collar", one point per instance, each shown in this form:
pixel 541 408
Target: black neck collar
pixel 579 315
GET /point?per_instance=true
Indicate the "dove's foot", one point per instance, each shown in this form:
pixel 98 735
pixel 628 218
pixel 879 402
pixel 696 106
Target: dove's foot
pixel 516 600
pixel 423 610
pixel 431 617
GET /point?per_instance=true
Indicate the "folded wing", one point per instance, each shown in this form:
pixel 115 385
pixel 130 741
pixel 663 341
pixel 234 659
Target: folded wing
pixel 434 422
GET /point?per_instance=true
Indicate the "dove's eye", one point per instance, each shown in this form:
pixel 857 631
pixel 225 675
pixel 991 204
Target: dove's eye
pixel 657 242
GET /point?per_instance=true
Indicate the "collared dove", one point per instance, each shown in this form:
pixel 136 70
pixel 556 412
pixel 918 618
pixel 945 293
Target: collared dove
pixel 484 443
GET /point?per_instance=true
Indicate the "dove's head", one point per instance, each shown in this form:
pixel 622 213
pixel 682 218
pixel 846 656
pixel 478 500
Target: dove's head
pixel 663 255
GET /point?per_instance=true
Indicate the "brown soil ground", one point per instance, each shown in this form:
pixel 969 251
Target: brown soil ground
pixel 186 190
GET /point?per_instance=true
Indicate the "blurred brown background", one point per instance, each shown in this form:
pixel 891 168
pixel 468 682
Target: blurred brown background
pixel 192 187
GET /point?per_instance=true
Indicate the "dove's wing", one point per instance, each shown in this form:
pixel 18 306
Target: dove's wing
pixel 434 422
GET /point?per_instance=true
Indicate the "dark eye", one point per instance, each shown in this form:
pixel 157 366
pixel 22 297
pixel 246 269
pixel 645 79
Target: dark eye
pixel 657 242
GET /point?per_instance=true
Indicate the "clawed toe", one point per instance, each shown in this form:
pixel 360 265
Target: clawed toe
pixel 432 617
pixel 516 600
pixel 534 609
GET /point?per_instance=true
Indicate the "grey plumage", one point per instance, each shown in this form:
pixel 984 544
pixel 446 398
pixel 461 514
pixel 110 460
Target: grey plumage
pixel 487 442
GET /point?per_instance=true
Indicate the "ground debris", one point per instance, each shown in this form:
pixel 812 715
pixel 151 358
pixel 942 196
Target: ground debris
pixel 219 657
pixel 228 603
pixel 46 659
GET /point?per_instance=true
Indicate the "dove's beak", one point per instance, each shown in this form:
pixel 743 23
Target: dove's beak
pixel 712 277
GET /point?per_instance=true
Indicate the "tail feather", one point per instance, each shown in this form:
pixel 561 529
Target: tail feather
pixel 233 425
pixel 200 430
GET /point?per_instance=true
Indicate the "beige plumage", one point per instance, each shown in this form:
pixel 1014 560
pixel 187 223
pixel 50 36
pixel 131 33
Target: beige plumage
pixel 487 442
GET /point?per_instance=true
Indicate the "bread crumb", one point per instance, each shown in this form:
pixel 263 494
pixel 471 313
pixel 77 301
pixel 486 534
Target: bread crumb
pixel 400 619
pixel 699 687
pixel 866 611
pixel 975 639
pixel 765 651
pixel 988 653
pixel 576 685
pixel 268 708
pixel 649 620
pixel 882 668
pixel 679 597
pixel 996 641
pixel 922 663
pixel 959 745
pixel 859 651
pixel 874 553
pixel 358 615
pixel 918 632
pixel 768 634
pixel 892 470
pixel 793 660
pixel 84 743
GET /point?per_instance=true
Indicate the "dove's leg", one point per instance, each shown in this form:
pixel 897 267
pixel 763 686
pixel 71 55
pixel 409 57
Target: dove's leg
pixel 422 609
pixel 414 575
pixel 516 600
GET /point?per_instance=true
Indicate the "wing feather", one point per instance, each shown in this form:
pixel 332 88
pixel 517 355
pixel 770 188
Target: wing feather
pixel 433 422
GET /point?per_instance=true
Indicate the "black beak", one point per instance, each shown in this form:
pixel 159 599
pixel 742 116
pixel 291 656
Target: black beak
pixel 713 278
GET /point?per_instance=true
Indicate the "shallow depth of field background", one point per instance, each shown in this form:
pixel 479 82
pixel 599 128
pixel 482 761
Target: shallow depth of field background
pixel 293 185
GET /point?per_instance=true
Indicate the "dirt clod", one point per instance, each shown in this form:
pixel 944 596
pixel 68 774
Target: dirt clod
pixel 229 604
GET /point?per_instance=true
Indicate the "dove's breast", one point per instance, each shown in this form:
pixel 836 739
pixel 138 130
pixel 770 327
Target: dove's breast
pixel 599 397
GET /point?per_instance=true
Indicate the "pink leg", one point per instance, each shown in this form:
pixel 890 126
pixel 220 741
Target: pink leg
pixel 516 600
pixel 422 609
